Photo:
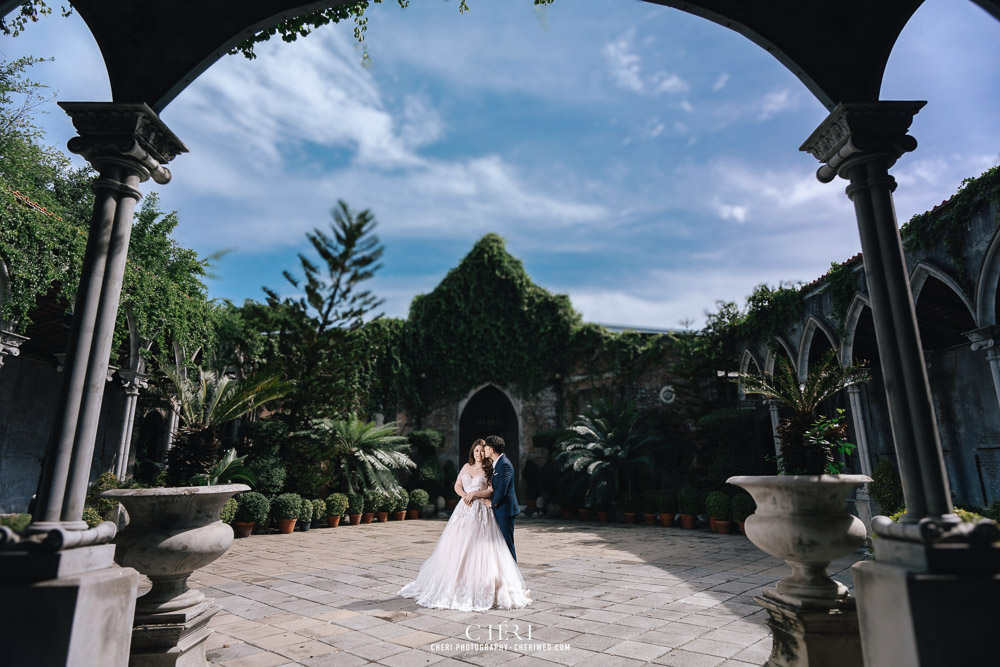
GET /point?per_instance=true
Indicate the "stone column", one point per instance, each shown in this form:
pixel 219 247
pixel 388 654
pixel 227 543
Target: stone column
pixel 985 339
pixel 132 382
pixel 860 429
pixel 127 144
pixel 929 563
pixel 772 407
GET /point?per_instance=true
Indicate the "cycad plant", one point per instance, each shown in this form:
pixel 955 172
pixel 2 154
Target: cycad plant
pixel 203 405
pixel 361 455
pixel 605 447
pixel 808 442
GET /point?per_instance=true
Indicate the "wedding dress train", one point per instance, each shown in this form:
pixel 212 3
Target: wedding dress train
pixel 471 568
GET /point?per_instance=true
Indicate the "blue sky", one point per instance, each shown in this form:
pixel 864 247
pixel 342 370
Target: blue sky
pixel 641 160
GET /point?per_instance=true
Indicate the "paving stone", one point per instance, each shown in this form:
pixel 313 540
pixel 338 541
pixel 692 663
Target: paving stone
pixel 637 650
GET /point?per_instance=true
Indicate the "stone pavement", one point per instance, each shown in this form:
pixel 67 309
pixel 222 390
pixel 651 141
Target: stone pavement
pixel 604 595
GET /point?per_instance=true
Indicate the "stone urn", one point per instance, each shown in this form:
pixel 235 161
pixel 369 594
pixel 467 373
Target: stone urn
pixel 803 520
pixel 171 533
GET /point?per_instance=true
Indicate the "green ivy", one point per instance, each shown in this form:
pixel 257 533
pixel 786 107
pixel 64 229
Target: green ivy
pixel 841 284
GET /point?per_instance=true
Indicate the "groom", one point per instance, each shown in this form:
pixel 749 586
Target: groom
pixel 505 505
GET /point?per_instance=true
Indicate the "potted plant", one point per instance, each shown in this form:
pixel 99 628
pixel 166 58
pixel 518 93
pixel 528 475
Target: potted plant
pixel 802 514
pixel 305 515
pixel 628 506
pixel 369 506
pixel 688 504
pixel 402 499
pixel 228 512
pixel 649 507
pixel 666 504
pixel 418 500
pixel 355 507
pixel 383 505
pixel 336 505
pixel 319 513
pixel 743 506
pixel 252 508
pixel 718 506
pixel 583 507
pixel 603 504
pixel 716 503
pixel 531 472
pixel 285 510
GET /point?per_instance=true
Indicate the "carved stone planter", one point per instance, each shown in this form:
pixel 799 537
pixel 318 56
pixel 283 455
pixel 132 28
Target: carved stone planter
pixel 803 520
pixel 171 533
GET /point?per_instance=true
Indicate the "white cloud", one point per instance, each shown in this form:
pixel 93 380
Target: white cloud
pixel 625 66
pixel 776 102
pixel 665 82
pixel 721 82
pixel 735 212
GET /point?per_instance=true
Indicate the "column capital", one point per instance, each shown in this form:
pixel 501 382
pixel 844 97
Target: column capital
pixel 854 389
pixel 130 134
pixel 854 130
pixel 10 343
pixel 133 381
pixel 984 338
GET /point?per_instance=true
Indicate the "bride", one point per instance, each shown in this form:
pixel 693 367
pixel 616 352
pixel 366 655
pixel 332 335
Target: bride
pixel 471 568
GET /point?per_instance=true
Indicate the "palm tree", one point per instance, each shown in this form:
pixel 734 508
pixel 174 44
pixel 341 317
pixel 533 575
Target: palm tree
pixel 803 452
pixel 605 447
pixel 362 454
pixel 202 406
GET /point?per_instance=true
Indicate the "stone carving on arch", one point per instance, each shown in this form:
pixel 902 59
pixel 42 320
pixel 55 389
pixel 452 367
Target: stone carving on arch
pixel 854 311
pixel 771 357
pixel 813 324
pixel 925 270
pixel 988 284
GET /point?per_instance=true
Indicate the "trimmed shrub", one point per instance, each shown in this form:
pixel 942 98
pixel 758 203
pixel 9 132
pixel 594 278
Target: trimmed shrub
pixel 336 504
pixel 666 502
pixel 16 522
pixel 270 474
pixel 427 441
pixel 384 502
pixel 886 487
pixel 355 502
pixel 743 506
pixel 91 516
pixel 286 506
pixel 418 499
pixel 430 473
pixel 228 512
pixel 628 504
pixel 649 502
pixel 688 501
pixel 402 501
pixel 371 501
pixel 718 505
pixel 252 507
pixel 319 510
pixel 305 511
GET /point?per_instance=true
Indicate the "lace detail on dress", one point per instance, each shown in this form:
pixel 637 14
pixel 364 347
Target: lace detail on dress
pixel 471 568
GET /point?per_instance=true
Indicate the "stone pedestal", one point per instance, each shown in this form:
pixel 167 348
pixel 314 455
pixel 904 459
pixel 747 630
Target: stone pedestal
pixel 172 639
pixel 823 635
pixel 72 608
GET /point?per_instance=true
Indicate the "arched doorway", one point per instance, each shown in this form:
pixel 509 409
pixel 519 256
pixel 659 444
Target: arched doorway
pixel 489 412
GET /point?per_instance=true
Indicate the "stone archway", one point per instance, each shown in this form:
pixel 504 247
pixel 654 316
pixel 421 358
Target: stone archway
pixel 489 412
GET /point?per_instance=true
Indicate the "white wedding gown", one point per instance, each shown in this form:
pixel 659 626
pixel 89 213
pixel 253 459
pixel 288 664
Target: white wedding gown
pixel 471 568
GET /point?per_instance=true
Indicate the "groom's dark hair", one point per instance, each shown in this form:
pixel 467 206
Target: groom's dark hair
pixel 496 442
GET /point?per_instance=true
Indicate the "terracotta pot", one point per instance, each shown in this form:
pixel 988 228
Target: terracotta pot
pixel 711 523
pixel 803 520
pixel 400 516
pixel 382 516
pixel 355 519
pixel 286 526
pixel 412 514
pixel 332 521
pixel 583 513
pixel 451 504
pixel 243 528
pixel 666 520
pixel 743 527
pixel 630 517
pixel 650 519
pixel 366 517
pixel 687 521
pixel 566 512
pixel 723 527
pixel 304 525
pixel 604 517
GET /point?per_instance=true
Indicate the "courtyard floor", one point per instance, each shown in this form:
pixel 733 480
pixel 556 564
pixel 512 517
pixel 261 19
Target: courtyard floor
pixel 604 595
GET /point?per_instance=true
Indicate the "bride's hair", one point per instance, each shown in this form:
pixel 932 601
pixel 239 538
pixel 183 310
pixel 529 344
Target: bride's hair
pixel 487 463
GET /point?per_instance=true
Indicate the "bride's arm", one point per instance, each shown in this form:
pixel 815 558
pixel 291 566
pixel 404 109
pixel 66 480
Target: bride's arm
pixel 459 489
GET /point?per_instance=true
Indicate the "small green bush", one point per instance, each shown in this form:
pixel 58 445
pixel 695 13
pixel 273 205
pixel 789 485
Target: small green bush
pixel 384 502
pixel 270 473
pixel 430 473
pixel 336 504
pixel 718 506
pixel 16 522
pixel 886 487
pixel 305 511
pixel 286 506
pixel 319 510
pixel 228 512
pixel 688 501
pixel 427 441
pixel 418 499
pixel 743 506
pixel 649 502
pixel 91 516
pixel 666 502
pixel 103 506
pixel 252 507
pixel 355 503
pixel 371 501
pixel 402 500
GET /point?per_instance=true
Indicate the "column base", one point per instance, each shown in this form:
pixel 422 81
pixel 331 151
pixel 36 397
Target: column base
pixel 172 639
pixel 79 618
pixel 820 634
pixel 902 612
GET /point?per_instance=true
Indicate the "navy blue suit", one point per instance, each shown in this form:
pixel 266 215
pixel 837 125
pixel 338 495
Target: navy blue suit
pixel 504 499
